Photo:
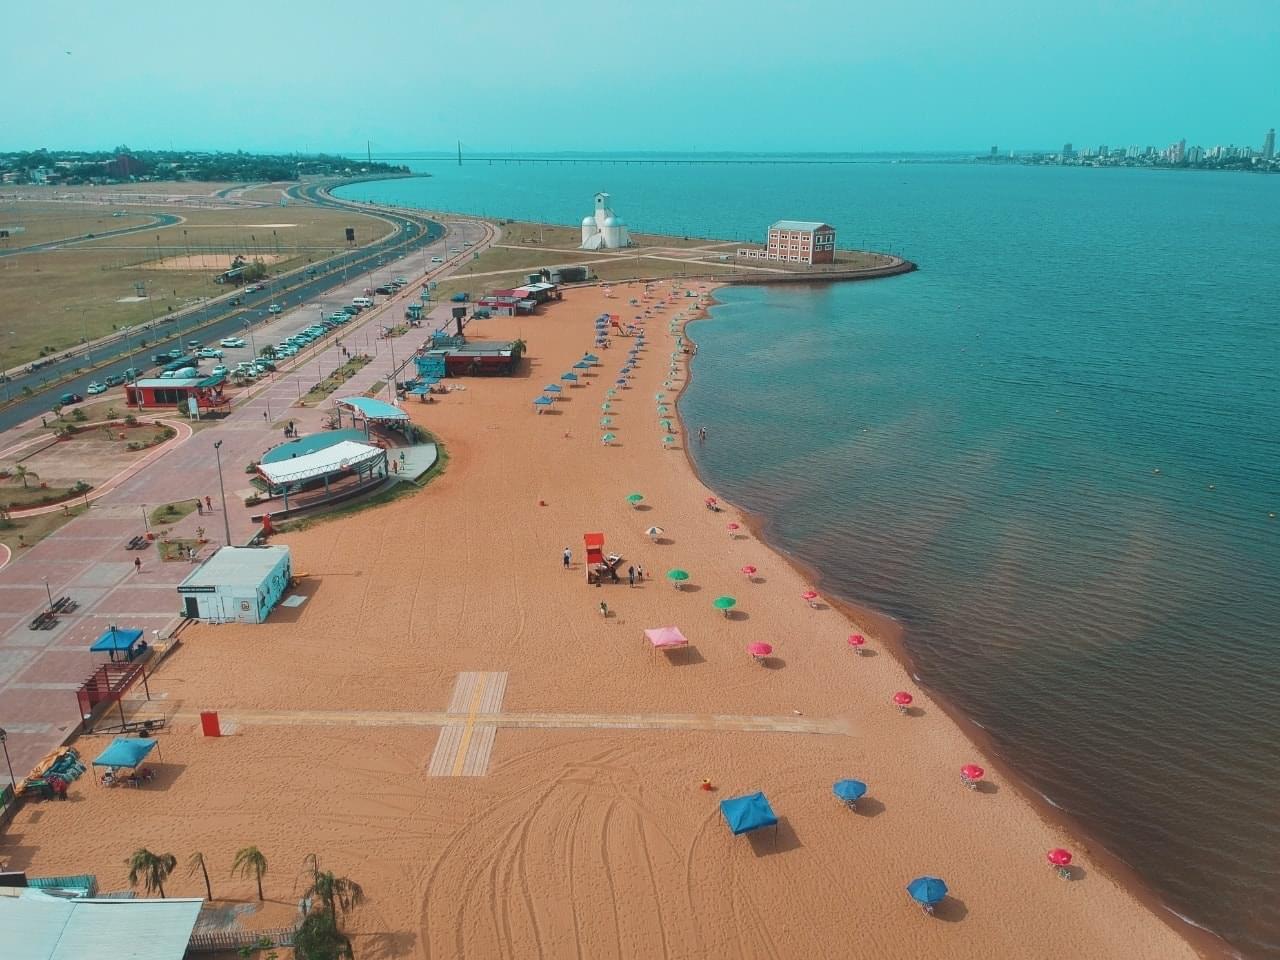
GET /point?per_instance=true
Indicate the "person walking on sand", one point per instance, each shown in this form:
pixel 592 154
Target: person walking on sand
pixel 208 504
pixel 604 609
pixel 631 576
pixel 137 564
pixel 640 573
pixel 568 557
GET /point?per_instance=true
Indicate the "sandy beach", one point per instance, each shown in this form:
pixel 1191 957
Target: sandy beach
pixel 585 833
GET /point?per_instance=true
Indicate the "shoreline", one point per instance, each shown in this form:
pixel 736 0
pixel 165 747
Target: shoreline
pixel 890 633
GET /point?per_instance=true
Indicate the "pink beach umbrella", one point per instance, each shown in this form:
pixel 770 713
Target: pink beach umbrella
pixel 809 596
pixel 749 571
pixel 759 650
pixel 857 641
pixel 733 528
pixel 970 774
pixel 903 700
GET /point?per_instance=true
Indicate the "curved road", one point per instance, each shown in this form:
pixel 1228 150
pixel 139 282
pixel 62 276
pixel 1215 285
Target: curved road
pixel 157 220
pixel 220 319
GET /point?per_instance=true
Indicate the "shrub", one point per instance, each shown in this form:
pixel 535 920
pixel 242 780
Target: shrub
pixel 130 420
pixel 81 487
pixel 79 415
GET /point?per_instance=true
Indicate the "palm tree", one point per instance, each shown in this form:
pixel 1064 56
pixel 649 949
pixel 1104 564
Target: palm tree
pixel 25 473
pixel 196 862
pixel 250 862
pixel 336 894
pixel 152 868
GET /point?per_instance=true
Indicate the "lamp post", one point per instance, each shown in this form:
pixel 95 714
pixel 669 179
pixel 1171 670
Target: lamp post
pixel 226 521
pixel 4 737
pixel 146 528
pixel 48 593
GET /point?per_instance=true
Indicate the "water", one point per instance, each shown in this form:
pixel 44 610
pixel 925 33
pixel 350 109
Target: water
pixel 1051 453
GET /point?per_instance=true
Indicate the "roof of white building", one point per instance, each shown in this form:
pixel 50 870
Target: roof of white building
pixel 35 926
pixel 800 225
pixel 340 456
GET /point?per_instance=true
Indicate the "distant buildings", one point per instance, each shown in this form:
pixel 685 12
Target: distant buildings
pixel 1177 154
pixel 1269 145
pixel 796 241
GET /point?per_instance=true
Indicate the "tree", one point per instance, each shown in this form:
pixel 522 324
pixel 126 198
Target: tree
pixel 196 862
pixel 335 894
pixel 320 939
pixel 152 868
pixel 24 474
pixel 250 862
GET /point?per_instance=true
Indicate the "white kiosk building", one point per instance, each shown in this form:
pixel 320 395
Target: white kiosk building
pixel 237 584
pixel 603 230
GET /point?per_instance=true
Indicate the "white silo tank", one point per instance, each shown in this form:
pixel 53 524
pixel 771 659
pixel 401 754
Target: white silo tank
pixel 612 232
pixel 588 228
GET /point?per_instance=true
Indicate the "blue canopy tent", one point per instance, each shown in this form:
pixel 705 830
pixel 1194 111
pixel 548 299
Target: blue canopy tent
pixel 849 792
pixel 551 388
pixel 751 812
pixel 127 753
pixel 590 358
pixel 582 365
pixel 570 377
pixel 542 402
pixel 115 640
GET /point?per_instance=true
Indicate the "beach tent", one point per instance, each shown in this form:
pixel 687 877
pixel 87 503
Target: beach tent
pixel 662 637
pixel 569 377
pixel 581 365
pixel 543 402
pixel 744 814
pixel 114 640
pixel 551 388
pixel 125 752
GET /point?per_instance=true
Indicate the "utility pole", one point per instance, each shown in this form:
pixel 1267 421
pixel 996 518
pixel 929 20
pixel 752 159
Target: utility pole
pixel 226 522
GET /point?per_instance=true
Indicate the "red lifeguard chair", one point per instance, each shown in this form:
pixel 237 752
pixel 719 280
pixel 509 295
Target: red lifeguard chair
pixel 600 567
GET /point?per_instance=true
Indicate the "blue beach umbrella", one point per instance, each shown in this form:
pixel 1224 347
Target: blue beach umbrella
pixel 849 790
pixel 551 388
pixel 628 368
pixel 571 377
pixel 927 890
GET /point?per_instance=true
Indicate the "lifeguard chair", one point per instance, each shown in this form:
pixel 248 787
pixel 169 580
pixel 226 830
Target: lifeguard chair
pixel 601 568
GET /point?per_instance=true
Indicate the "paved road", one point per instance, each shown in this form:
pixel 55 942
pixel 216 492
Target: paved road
pixel 219 319
pixel 157 220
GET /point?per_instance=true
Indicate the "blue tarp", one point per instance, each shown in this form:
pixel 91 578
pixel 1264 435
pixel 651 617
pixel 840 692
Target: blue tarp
pixel 744 814
pixel 569 376
pixel 114 639
pixel 125 752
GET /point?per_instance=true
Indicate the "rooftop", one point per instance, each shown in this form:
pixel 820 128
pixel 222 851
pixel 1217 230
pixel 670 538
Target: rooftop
pixel 235 566
pixel 807 225
pixel 320 463
pixel 373 409
pixel 292 449
pixel 36 926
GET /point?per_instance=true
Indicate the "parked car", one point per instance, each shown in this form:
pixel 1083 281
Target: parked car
pixel 168 374
pixel 265 365
pixel 69 398
pixel 219 371
pixel 211 353
pixel 194 346
pixel 437 259
pixel 115 380
pixel 385 289
pixel 400 282
pixel 95 388
pixel 231 342
pixel 275 308
pixel 131 373
pixel 254 288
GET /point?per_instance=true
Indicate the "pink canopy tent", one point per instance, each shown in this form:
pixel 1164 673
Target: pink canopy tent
pixel 662 637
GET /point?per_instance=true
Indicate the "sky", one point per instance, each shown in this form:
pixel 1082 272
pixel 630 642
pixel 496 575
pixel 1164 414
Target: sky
pixel 593 75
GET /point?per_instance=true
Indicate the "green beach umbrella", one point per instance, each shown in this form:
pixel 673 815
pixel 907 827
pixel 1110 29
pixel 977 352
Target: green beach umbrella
pixel 665 425
pixel 608 438
pixel 606 421
pixel 634 498
pixel 663 408
pixel 605 406
pixel 668 439
pixel 611 392
pixel 724 603
pixel 677 576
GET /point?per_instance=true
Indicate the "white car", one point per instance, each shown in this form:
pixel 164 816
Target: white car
pixel 219 371
pixel 211 353
pixel 437 259
pixel 275 308
pixel 231 342
pixel 96 387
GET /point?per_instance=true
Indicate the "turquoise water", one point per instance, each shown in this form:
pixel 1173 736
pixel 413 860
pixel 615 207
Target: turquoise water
pixel 1052 454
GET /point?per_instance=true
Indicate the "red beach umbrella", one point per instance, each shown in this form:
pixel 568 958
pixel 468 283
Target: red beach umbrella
pixel 1059 857
pixel 902 698
pixel 971 771
pixel 749 570
pixel 759 650
pixel 733 526
pixel 809 596
pixel 856 640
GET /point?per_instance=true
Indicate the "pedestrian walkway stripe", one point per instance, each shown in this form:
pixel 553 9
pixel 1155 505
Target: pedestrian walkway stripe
pixel 464 744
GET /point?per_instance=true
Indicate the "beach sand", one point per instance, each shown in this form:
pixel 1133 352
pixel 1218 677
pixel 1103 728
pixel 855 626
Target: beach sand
pixel 580 840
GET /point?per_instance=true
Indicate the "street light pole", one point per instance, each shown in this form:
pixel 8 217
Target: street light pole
pixel 48 593
pixel 4 737
pixel 226 521
pixel 146 528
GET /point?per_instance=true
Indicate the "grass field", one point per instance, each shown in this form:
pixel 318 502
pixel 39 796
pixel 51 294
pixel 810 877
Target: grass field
pixel 54 299
pixel 44 222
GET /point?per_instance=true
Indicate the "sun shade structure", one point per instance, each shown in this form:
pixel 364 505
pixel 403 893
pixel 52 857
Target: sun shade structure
pixel 125 752
pixel 551 388
pixel 653 533
pixel 677 575
pixel 608 438
pixel 759 650
pixel 372 409
pixel 744 814
pixel 582 365
pixel 927 890
pixel 724 603
pixel 662 637
pixel 115 640
pixel 347 455
pixel 570 376
pixel 634 498
pixel 849 790
pixel 543 402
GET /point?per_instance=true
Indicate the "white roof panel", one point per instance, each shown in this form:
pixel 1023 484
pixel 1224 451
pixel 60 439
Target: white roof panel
pixel 36 926
pixel 800 225
pixel 348 453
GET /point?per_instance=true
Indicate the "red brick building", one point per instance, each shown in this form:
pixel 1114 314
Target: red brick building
pixel 796 241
